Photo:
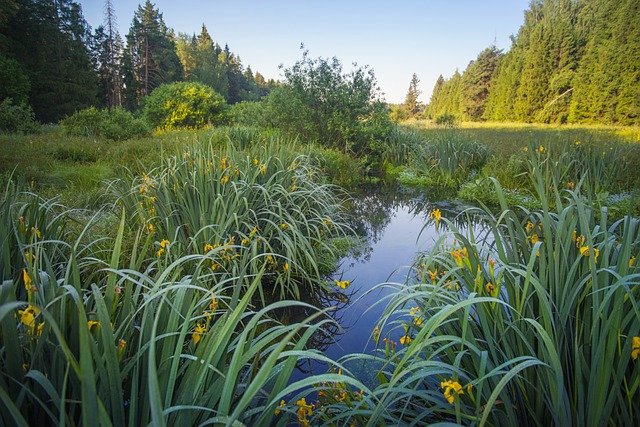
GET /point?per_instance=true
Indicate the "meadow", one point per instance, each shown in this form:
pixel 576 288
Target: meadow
pixel 463 159
pixel 151 289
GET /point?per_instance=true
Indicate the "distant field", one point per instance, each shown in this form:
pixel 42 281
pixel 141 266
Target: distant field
pixel 74 167
pixel 506 138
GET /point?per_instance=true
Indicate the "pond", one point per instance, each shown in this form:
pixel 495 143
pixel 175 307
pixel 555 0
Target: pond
pixel 394 223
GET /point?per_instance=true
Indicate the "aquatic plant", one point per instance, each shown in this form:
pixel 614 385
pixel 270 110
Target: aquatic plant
pixel 534 321
pixel 87 339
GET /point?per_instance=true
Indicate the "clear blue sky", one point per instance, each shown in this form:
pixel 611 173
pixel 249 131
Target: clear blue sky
pixel 395 37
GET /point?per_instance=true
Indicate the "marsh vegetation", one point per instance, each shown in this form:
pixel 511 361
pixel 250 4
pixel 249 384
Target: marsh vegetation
pixel 206 247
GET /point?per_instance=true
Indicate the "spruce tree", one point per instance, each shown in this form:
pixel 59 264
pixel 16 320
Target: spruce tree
pixel 476 83
pixel 208 69
pixel 51 39
pixel 411 104
pixel 150 58
pixel 436 99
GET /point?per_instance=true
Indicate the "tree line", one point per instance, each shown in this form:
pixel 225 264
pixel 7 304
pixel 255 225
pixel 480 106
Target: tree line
pixel 51 59
pixel 572 61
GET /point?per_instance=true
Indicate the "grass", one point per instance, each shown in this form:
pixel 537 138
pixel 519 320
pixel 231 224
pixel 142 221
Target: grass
pixel 533 322
pixel 463 158
pixel 120 346
pixel 251 209
pixel 156 298
pixel 74 168
pixel 129 327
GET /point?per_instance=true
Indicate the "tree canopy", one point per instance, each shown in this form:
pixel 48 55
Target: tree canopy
pixel 572 61
pixel 52 61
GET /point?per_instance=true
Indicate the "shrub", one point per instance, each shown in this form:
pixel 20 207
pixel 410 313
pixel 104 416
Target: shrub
pixel 336 166
pixel 116 124
pixel 399 113
pixel 14 83
pixel 17 117
pixel 119 124
pixel 247 114
pixel 340 110
pixel 447 120
pixel 183 105
pixel 83 123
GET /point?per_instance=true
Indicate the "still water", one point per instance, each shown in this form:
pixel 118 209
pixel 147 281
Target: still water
pixel 395 226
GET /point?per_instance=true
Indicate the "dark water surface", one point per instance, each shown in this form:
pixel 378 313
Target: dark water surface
pixel 396 227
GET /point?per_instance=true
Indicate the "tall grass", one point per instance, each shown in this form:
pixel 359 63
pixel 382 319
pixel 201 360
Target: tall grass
pixel 261 208
pixel 27 219
pixel 536 322
pixel 436 160
pixel 87 340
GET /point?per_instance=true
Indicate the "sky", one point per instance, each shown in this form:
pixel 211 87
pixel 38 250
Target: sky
pixel 395 37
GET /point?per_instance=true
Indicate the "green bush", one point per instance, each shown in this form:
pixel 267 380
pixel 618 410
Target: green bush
pixel 116 124
pixel 17 118
pixel 119 124
pixel 83 123
pixel 318 102
pixel 184 105
pixel 447 120
pixel 247 114
pixel 14 83
pixel 398 113
pixel 337 167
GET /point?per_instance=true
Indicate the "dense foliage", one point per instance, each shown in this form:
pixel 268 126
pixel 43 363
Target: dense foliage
pixel 16 117
pixel 183 105
pixel 50 40
pixel 150 58
pixel 50 59
pixel 14 83
pixel 321 103
pixel 571 62
pixel 116 124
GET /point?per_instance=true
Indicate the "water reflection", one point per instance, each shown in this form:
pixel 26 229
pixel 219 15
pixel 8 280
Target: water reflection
pixel 393 222
pixel 375 207
pixel 337 301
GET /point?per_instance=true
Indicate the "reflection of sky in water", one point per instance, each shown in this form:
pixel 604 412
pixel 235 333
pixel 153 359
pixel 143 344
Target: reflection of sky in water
pixel 402 235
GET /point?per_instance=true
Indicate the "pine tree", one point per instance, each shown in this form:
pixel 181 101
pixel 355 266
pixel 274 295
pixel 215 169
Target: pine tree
pixel 150 57
pixel 436 99
pixel 51 40
pixel 110 75
pixel 411 104
pixel 476 83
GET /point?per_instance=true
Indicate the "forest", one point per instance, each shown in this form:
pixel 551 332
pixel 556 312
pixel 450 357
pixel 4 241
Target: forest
pixel 570 62
pixel 186 242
